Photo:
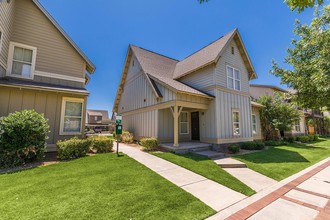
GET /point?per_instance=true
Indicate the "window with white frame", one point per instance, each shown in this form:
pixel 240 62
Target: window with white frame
pixel 236 123
pixel 233 78
pixel 254 124
pixel 72 116
pixel 184 129
pixel 21 61
pixel 297 125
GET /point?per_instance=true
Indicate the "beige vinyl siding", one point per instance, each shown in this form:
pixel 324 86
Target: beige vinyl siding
pixel 236 61
pixel 6 24
pixel 257 92
pixel 258 135
pixel 142 124
pixel 168 95
pixel 47 103
pixel 62 82
pixel 54 53
pixel 138 92
pixel 225 104
pixel 201 79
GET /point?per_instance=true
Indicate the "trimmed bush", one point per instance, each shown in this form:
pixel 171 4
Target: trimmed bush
pixel 23 138
pixel 102 144
pixel 304 139
pixel 274 143
pixel 260 145
pixel 127 137
pixel 73 148
pixel 253 145
pixel 316 137
pixel 149 144
pixel 233 149
pixel 290 139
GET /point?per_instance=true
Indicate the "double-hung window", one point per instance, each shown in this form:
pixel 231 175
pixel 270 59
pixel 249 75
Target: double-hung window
pixel 21 60
pixel 72 116
pixel 233 78
pixel 184 129
pixel 297 126
pixel 236 123
pixel 254 124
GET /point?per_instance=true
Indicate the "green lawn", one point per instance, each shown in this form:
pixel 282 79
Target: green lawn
pixel 98 187
pixel 283 161
pixel 207 168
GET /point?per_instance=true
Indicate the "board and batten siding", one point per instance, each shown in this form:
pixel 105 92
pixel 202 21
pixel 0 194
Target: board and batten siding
pixel 54 53
pixel 6 25
pixel 168 94
pixel 143 124
pixel 137 91
pixel 258 135
pixel 47 103
pixel 207 123
pixel 202 79
pixel 225 104
pixel 234 60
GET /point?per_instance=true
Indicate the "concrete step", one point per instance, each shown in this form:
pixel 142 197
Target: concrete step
pixel 209 154
pixel 229 163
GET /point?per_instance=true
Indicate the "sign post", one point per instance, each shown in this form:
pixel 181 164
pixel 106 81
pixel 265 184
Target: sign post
pixel 119 130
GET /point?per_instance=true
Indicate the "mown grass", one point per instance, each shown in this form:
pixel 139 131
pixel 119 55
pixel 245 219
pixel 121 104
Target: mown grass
pixel 207 168
pixel 98 187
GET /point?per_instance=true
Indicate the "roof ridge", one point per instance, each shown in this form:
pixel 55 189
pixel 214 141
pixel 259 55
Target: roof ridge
pixel 209 44
pixel 154 52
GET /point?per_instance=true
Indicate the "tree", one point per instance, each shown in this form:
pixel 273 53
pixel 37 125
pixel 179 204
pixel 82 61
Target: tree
pixel 309 58
pixel 277 115
pixel 300 5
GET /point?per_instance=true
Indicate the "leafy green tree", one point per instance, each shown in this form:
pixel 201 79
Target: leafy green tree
pixel 300 5
pixel 277 115
pixel 327 124
pixel 309 58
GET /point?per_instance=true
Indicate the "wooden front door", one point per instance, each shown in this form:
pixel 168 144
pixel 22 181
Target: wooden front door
pixel 195 126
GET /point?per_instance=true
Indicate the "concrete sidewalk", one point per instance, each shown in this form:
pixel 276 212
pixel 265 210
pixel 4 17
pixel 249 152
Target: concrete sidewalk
pixel 211 193
pixel 305 195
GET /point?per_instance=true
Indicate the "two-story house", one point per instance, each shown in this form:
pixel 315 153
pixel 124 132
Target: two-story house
pixel 97 120
pixel 41 68
pixel 204 97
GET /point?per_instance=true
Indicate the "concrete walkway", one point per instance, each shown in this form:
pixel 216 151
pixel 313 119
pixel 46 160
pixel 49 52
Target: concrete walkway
pixel 211 193
pixel 305 195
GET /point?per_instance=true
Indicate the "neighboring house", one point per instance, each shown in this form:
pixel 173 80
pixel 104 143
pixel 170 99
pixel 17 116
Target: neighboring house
pixel 41 68
pixel 97 120
pixel 204 97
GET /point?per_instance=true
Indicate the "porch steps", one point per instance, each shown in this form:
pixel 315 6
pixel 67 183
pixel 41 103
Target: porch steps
pixel 229 163
pixel 209 153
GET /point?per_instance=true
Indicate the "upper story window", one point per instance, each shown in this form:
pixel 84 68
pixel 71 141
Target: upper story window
pixel 254 124
pixel 21 60
pixel 184 129
pixel 236 123
pixel 233 78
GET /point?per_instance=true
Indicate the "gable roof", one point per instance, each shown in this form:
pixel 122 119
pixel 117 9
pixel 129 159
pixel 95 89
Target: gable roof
pixel 211 54
pixel 90 67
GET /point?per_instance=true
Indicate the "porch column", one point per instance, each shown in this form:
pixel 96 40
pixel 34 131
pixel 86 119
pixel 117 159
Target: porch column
pixel 176 113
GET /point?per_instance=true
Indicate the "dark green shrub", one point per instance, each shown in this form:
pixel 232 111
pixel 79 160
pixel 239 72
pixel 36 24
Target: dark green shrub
pixel 101 144
pixel 311 137
pixel 73 148
pixel 251 145
pixel 127 137
pixel 304 139
pixel 149 144
pixel 260 145
pixel 233 149
pixel 273 143
pixel 23 138
pixel 316 137
pixel 289 139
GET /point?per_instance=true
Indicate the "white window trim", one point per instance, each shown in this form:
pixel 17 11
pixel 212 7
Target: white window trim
pixel 239 122
pixel 297 125
pixel 184 122
pixel 240 76
pixel 68 99
pixel 12 45
pixel 1 39
pixel 256 131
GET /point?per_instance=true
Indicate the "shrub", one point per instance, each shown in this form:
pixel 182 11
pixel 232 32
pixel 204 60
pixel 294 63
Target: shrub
pixel 316 137
pixel 260 145
pixel 303 139
pixel 127 137
pixel 23 138
pixel 149 144
pixel 310 137
pixel 251 145
pixel 233 149
pixel 273 143
pixel 73 148
pixel 101 144
pixel 290 139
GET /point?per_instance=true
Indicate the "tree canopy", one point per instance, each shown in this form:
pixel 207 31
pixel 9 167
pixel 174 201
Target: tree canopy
pixel 277 115
pixel 309 58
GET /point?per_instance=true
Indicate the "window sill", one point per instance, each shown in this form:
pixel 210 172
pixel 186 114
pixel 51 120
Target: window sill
pixel 20 77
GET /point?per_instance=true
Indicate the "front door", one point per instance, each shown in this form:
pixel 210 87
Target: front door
pixel 195 126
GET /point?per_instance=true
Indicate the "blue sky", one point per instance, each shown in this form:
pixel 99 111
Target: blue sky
pixel 104 29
